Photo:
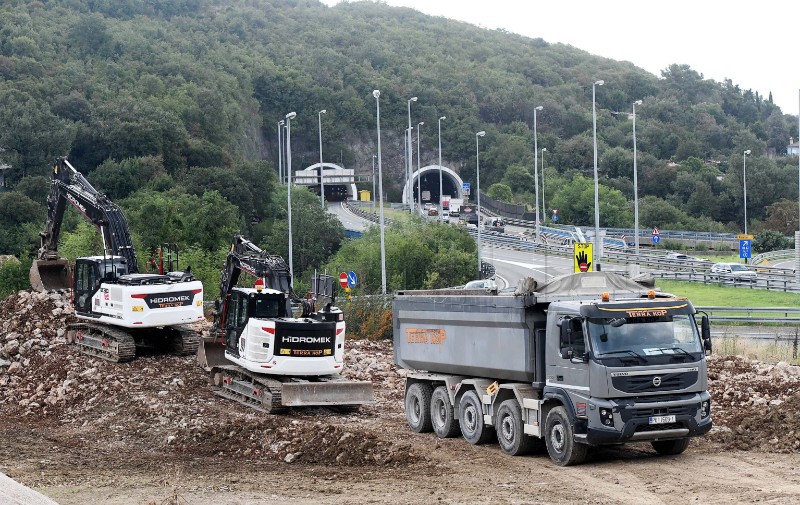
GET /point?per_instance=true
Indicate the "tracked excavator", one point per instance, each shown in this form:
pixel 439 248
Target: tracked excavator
pixel 119 309
pixel 264 355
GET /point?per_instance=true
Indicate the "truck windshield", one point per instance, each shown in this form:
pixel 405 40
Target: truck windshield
pixel 647 336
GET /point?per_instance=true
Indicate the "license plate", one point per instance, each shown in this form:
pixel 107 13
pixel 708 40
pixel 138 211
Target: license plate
pixel 662 419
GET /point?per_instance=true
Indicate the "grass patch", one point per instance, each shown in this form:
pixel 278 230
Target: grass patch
pixel 770 351
pixel 728 296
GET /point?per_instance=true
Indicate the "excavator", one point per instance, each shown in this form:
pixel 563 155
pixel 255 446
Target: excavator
pixel 268 348
pixel 119 309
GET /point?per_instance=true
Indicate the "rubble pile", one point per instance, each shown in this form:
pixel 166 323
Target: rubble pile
pixel 755 405
pixel 163 405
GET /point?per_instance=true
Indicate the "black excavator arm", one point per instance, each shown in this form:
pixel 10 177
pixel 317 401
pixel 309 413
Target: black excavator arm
pixel 50 271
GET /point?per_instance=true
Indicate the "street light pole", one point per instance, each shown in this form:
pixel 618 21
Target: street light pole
pixel 377 95
pixel 289 118
pixel 544 208
pixel 478 177
pixel 280 151
pixel 408 157
pixel 744 180
pixel 441 190
pixel 321 168
pixel 596 194
pixel 419 170
pixel 536 170
pixel 635 182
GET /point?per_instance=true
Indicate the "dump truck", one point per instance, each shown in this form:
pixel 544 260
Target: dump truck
pixel 584 360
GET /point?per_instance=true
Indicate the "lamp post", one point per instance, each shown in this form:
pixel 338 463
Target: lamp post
pixel 744 180
pixel 536 170
pixel 408 157
pixel 635 182
pixel 289 118
pixel 441 190
pixel 373 182
pixel 377 95
pixel 596 194
pixel 478 177
pixel 544 208
pixel 280 151
pixel 419 170
pixel 321 168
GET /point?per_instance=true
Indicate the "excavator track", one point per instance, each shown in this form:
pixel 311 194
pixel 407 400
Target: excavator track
pixel 183 341
pixel 255 391
pixel 110 344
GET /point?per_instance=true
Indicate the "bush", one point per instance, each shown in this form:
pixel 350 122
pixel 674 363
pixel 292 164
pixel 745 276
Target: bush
pixel 368 317
pixel 14 276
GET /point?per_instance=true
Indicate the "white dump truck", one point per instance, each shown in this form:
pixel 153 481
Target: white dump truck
pixel 585 360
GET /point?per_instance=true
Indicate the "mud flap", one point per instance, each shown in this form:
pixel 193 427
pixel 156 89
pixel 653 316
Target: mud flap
pixel 50 275
pixel 332 392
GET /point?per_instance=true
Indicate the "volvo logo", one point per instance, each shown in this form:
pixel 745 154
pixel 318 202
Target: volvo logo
pixel 656 381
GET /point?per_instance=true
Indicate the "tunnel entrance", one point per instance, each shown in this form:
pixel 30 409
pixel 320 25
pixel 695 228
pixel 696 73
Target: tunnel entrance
pixel 428 177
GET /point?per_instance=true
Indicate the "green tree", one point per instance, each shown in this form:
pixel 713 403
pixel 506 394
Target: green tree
pixel 500 191
pixel 770 240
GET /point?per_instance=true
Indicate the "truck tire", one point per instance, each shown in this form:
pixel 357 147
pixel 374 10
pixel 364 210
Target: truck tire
pixel 561 445
pixel 510 430
pixel 670 447
pixel 418 407
pixel 443 416
pixel 470 411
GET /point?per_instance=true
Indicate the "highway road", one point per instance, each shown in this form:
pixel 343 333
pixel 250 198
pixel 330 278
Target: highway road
pixel 347 218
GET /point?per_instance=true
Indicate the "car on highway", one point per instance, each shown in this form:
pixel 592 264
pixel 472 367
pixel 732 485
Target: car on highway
pixel 489 284
pixel 433 212
pixel 445 215
pixel 735 271
pixel 683 257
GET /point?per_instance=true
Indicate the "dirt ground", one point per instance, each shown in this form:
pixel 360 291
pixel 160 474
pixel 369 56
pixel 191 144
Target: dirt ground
pixel 82 430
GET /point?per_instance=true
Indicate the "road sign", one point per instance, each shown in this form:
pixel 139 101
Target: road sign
pixel 656 239
pixel 745 248
pixel 656 232
pixel 555 218
pixel 582 256
pixel 351 279
pixel 742 236
pixel 343 279
pixel 466 188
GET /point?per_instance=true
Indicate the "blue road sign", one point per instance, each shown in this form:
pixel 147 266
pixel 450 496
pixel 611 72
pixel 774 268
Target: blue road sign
pixel 745 248
pixel 351 279
pixel 555 218
pixel 656 239
pixel 465 186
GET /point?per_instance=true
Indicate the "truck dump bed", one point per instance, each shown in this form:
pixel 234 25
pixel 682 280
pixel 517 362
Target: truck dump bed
pixel 477 334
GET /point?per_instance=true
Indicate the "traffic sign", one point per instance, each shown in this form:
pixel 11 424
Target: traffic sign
pixel 351 279
pixel 656 239
pixel 343 279
pixel 742 236
pixel 656 232
pixel 259 284
pixel 555 218
pixel 466 187
pixel 745 248
pixel 582 257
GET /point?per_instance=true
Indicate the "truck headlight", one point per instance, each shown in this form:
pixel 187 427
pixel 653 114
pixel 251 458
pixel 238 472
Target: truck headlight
pixel 705 409
pixel 606 416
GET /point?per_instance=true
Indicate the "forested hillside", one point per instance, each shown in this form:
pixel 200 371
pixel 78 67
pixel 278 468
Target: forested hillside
pixel 171 107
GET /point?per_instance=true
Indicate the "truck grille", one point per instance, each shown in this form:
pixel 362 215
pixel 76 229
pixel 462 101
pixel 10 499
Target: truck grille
pixel 649 383
pixel 305 340
pixel 665 411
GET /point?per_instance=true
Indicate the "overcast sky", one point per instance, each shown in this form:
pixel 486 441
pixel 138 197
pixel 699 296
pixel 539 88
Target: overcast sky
pixel 755 44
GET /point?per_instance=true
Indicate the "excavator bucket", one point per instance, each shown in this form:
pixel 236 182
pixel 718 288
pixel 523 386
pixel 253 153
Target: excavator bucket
pixel 50 275
pixel 211 353
pixel 333 392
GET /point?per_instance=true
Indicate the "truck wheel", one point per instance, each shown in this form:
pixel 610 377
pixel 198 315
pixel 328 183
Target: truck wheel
pixel 561 444
pixel 510 430
pixel 470 413
pixel 418 407
pixel 670 447
pixel 443 416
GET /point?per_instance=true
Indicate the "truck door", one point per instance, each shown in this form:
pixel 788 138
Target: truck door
pixel 568 368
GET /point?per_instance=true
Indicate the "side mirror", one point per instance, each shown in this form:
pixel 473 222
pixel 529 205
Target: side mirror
pixel 705 331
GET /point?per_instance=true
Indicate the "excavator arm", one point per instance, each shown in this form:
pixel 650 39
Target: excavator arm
pixel 50 271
